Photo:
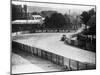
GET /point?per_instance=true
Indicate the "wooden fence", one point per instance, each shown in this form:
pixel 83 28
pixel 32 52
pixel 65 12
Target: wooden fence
pixel 66 63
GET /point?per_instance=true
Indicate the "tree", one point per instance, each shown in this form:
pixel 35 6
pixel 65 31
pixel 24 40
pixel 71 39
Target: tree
pixel 92 21
pixel 35 13
pixel 86 15
pixel 67 18
pixel 18 12
pixel 56 20
pixel 92 12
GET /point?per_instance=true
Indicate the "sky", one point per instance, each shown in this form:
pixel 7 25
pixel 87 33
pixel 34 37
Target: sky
pixel 62 8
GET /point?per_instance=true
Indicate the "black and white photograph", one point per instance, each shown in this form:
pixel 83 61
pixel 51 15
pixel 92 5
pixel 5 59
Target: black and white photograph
pixel 52 37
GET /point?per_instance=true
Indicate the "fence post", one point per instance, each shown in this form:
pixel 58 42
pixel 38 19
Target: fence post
pixel 42 53
pixel 45 54
pixel 69 65
pixel 51 56
pixel 37 51
pixel 21 46
pixel 77 65
pixel 24 47
pixel 86 66
pixel 56 59
pixel 62 60
pixel 31 51
pixel 28 48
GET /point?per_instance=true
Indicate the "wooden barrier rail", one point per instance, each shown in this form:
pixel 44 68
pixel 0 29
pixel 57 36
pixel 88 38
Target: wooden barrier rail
pixel 66 63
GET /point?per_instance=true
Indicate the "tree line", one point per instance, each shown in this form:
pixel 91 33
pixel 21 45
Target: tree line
pixel 53 19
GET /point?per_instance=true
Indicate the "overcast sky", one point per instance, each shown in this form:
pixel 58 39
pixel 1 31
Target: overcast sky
pixel 63 8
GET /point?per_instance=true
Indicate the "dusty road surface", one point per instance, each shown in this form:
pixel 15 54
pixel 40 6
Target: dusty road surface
pixel 51 42
pixel 24 62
